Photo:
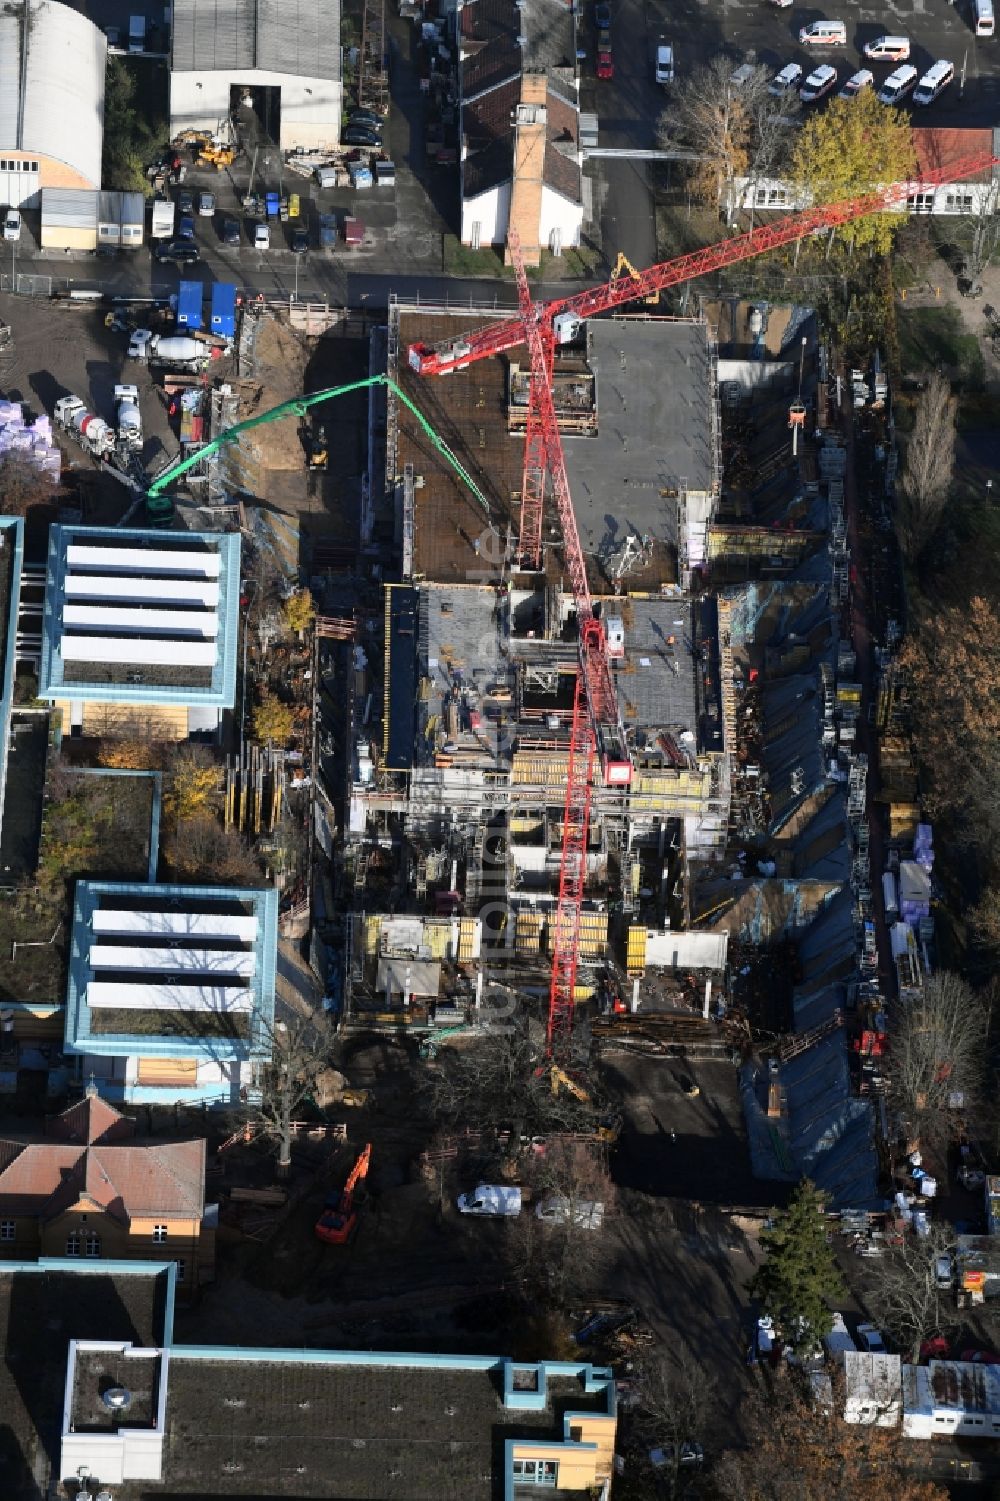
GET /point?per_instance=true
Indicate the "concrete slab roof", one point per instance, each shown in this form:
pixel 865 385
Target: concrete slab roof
pixel 654 430
pixel 657 678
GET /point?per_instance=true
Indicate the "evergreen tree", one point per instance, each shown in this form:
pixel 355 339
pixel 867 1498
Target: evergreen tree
pixel 800 1273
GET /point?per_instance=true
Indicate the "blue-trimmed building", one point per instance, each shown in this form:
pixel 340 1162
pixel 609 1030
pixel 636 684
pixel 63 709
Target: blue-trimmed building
pixel 140 630
pixel 218 1420
pixel 11 560
pixel 170 996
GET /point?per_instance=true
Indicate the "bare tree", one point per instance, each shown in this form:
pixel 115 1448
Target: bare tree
pixel 713 117
pixel 906 1300
pixel 930 464
pixel 938 1057
pixel 555 1258
pixel 675 1411
pixel 500 1083
pixel 301 1047
pixel 985 230
pixel 24 485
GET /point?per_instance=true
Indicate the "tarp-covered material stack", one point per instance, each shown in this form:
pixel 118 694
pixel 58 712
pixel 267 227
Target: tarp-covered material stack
pixel 31 439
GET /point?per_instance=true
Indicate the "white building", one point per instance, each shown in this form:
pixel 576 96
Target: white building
pixel 287 62
pixel 872 1388
pixel 52 62
pixel 936 151
pixel 951 1399
pixel 520 154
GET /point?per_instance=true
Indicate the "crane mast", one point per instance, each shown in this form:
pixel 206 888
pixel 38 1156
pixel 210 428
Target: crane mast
pixel 596 723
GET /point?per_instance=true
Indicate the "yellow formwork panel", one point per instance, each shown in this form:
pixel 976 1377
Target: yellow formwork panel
pixel 466 939
pixel 531 768
pixel 528 933
pixel 373 927
pixel 592 937
pixel 635 959
pixel 437 937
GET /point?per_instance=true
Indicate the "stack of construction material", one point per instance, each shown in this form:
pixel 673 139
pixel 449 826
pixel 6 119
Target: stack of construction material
pixel 914 892
pixel 923 846
pixel 32 440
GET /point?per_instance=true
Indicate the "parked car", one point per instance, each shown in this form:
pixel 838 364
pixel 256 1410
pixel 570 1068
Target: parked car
pixel 888 49
pixel 602 14
pixel 689 1456
pixel 262 237
pixel 871 1340
pixel 185 228
pixel 934 82
pixel 789 78
pixel 605 63
pixel 980 1357
pixel 359 116
pixel 664 67
pixel 944 1271
pixel 360 135
pixel 181 252
pixel 206 205
pixel 862 79
pixel 742 75
pixel 492 1200
pixel 300 241
pixel 824 34
pixel 820 81
pixel 185 202
pixel 897 85
pixel 231 231
pixel 556 1209
pixel 12 224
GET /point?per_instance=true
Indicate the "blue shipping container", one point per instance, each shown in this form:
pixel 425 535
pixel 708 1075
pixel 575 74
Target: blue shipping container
pixel 224 309
pixel 189 299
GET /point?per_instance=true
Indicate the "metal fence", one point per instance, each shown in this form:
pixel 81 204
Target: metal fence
pixel 26 285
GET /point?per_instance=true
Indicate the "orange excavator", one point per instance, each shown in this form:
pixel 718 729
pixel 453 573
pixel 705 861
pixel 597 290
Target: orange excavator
pixel 336 1224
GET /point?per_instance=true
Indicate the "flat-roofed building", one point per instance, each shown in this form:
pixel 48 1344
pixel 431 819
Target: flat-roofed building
pixel 139 632
pixel 171 989
pixel 951 1399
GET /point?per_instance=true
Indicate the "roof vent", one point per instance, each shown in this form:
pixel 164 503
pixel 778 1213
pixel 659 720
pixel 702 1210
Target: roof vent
pixel 305 1405
pixel 359 1443
pixel 396 1407
pixel 235 1401
pixel 117 1399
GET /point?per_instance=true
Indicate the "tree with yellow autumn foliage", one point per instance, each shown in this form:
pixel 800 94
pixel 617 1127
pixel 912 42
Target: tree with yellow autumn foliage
pixel 192 786
pixel 852 147
pixel 272 720
pixel 299 611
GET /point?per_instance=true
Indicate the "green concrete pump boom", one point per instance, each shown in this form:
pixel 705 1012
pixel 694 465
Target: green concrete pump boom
pixel 298 408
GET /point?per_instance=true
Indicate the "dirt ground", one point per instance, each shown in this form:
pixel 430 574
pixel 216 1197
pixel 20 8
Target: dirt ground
pixel 62 349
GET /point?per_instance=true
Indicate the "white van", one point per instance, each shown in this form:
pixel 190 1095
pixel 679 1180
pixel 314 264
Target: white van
pixel 496 1200
pixel 897 85
pixel 556 1209
pixel 824 34
pixel 888 49
pixel 985 24
pixel 934 82
pixel 12 224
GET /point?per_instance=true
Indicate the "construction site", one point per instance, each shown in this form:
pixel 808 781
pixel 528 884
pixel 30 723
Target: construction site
pixel 717 898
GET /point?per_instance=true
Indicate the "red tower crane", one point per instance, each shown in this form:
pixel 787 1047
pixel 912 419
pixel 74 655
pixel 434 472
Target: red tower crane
pixel 596 723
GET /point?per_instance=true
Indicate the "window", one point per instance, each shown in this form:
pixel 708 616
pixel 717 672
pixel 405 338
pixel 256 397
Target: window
pixel 181 1270
pixel 92 1244
pixel 6 1229
pixel 537 1471
pixel 72 1245
pixel 159 1234
pixel 34 166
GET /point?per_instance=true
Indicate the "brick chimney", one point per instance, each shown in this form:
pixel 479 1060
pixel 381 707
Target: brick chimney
pixel 529 165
